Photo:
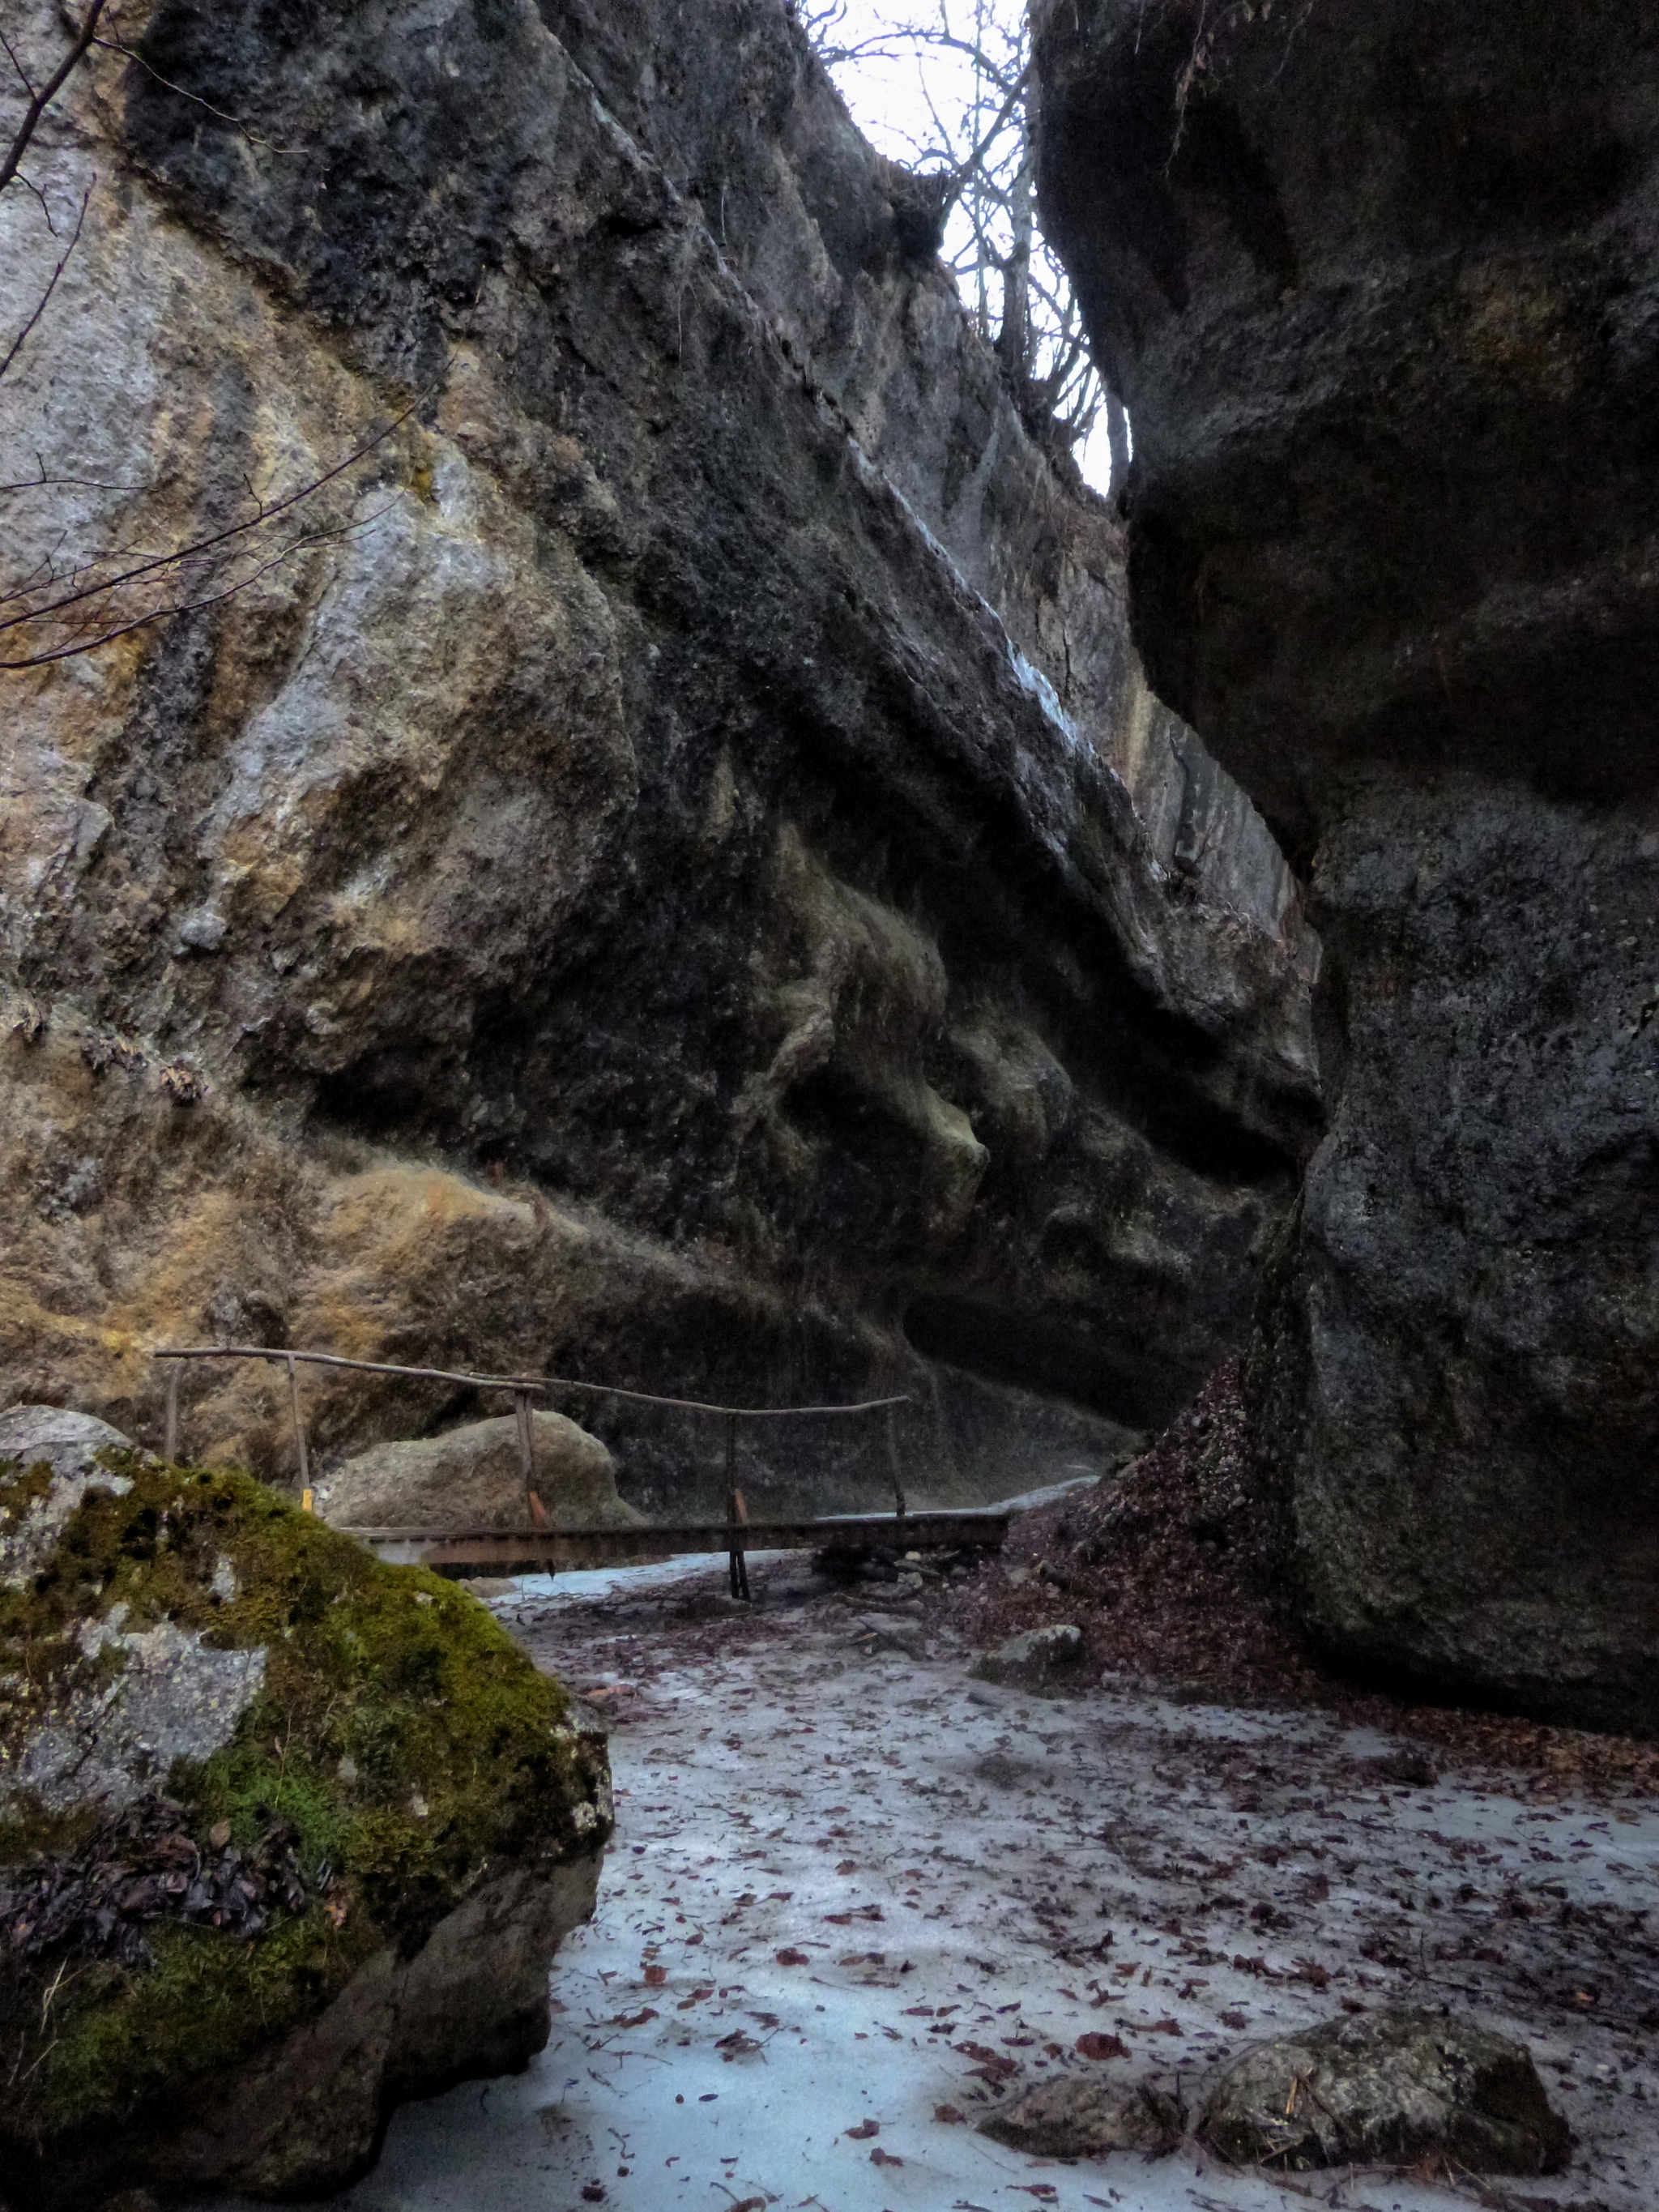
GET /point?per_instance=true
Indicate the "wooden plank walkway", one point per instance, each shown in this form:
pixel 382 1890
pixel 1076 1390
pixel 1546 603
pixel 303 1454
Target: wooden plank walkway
pixel 459 1552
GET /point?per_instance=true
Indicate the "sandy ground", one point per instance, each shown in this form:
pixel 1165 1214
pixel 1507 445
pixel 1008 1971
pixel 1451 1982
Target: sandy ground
pixel 854 1894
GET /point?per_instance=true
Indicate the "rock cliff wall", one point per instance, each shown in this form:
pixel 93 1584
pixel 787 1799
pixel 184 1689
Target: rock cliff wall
pixel 671 871
pixel 1380 284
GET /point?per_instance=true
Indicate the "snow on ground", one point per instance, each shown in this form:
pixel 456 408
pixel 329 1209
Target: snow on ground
pixel 851 1889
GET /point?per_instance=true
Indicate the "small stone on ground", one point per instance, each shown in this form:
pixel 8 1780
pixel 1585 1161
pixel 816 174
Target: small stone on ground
pixel 1085 2118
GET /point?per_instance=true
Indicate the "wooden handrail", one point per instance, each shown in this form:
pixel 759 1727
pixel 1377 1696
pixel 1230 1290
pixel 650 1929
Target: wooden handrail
pixel 523 1387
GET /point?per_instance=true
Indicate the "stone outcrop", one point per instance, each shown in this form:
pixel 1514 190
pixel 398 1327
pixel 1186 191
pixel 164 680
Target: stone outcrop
pixel 671 872
pixel 472 1478
pixel 1391 2087
pixel 1379 285
pixel 287 1836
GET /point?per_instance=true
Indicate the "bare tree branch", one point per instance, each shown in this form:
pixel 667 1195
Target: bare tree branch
pixel 236 122
pixel 201 547
pixel 24 78
pixel 90 609
pixel 49 92
pixel 975 88
pixel 82 642
pixel 17 345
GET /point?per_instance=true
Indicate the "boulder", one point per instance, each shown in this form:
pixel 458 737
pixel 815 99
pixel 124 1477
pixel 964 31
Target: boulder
pixel 1080 2116
pixel 286 1835
pixel 1033 1660
pixel 1387 2087
pixel 472 1478
pixel 1364 273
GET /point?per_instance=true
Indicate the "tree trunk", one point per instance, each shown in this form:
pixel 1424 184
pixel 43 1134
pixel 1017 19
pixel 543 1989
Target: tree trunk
pixel 1014 338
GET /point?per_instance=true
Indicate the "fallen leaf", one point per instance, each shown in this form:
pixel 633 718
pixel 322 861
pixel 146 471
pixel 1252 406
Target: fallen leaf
pixel 991 2063
pixel 655 1977
pixel 1096 2046
pixel 219 1834
pixel 879 2157
pixel 864 2130
pixel 948 2115
pixel 633 2019
pixel 792 1958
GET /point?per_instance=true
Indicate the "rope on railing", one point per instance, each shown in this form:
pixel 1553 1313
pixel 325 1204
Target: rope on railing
pixel 523 1387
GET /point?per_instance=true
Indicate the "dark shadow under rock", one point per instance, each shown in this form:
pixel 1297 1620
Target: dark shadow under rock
pixel 1392 2086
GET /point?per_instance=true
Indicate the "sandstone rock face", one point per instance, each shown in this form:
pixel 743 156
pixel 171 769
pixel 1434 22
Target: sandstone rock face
pixel 286 1835
pixel 1379 284
pixel 472 1478
pixel 679 878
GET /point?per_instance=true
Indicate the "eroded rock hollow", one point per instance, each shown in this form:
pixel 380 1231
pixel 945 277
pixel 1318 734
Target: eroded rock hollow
pixel 675 873
pixel 1379 286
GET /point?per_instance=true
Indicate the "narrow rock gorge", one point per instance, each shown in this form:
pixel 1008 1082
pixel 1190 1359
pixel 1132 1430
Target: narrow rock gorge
pixel 589 795
pixel 663 865
pixel 1378 285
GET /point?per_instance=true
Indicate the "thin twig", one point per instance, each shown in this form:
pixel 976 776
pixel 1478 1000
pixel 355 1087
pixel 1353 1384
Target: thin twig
pixel 48 92
pixel 236 122
pixel 195 552
pixel 184 606
pixel 17 345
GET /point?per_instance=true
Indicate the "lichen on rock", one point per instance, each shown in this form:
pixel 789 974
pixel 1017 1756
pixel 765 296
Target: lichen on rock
pixel 1387 2087
pixel 1068 2117
pixel 434 1807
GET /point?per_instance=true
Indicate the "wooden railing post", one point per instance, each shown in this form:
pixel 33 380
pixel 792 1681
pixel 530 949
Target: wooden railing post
pixel 893 1458
pixel 299 1428
pixel 170 1440
pixel 737 1514
pixel 522 1412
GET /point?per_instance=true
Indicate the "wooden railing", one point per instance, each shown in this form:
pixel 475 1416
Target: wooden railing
pixel 523 1389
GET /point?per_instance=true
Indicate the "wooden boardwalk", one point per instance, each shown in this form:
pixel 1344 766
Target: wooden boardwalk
pixel 540 1547
pixel 459 1552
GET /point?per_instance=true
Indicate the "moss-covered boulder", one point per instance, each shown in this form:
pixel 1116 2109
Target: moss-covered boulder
pixel 286 1835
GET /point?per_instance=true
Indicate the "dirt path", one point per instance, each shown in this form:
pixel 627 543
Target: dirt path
pixel 851 1889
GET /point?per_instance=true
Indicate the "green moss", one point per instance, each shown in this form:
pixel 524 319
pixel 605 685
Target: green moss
pixel 456 1758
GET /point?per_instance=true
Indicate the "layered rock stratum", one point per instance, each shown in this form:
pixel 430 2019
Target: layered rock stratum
pixel 666 866
pixel 1380 286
